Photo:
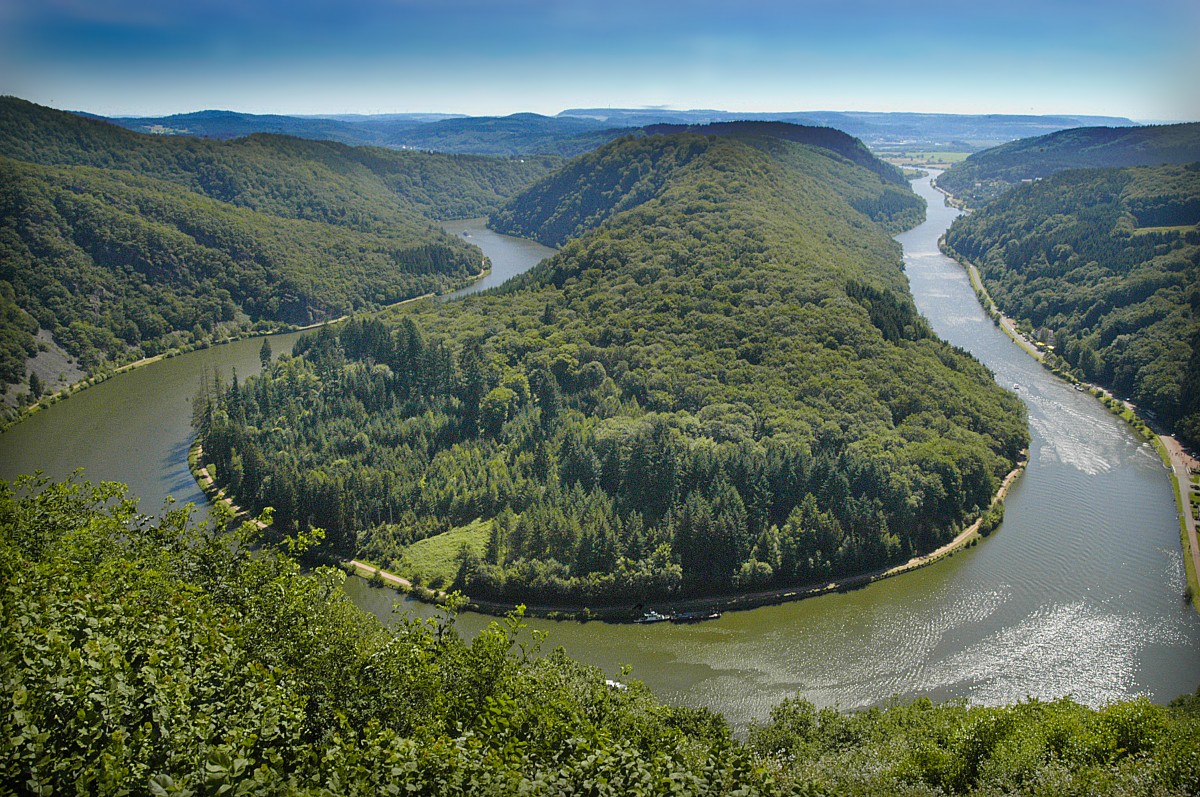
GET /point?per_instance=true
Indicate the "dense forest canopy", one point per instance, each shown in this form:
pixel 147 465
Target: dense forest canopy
pixel 720 382
pixel 593 187
pixel 122 245
pixel 1104 265
pixel 155 657
pixel 988 174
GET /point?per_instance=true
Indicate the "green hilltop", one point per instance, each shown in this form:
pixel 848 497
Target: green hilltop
pixel 578 197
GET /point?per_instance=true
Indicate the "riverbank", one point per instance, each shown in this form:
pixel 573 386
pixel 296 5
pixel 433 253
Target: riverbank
pixel 216 495
pixel 951 200
pixel 1007 324
pixel 1169 451
pixel 49 399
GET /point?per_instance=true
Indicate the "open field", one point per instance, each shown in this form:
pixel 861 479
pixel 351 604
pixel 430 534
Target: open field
pixel 433 560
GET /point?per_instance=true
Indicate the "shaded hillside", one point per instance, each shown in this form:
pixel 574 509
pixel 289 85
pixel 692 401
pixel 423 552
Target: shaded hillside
pixel 125 245
pixel 118 266
pixel 616 178
pixel 986 175
pixel 592 188
pixel 720 386
pixel 1104 265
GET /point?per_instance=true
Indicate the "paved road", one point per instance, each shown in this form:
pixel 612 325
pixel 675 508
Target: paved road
pixel 1180 466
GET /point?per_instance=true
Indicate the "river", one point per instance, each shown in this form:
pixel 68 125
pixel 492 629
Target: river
pixel 1079 592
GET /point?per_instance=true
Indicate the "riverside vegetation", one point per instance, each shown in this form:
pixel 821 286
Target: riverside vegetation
pixel 1103 267
pixel 719 383
pixel 158 657
pixel 121 245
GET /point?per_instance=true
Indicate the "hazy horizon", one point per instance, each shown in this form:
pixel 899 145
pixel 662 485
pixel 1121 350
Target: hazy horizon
pixel 480 58
pixel 646 108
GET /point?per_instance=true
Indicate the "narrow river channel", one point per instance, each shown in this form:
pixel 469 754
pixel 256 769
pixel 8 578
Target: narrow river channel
pixel 1079 592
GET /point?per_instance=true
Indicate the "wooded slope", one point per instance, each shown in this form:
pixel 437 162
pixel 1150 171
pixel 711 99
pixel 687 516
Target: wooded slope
pixel 1104 265
pixel 124 245
pixel 595 186
pixel 986 175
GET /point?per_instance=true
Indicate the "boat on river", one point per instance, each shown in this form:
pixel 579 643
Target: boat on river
pixel 695 617
pixel 677 617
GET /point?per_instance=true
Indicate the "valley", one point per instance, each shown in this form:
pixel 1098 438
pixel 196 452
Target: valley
pixel 595 400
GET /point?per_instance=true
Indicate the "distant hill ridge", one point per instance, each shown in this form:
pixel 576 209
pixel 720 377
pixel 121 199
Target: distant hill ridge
pixel 578 130
pixel 879 130
pixel 517 134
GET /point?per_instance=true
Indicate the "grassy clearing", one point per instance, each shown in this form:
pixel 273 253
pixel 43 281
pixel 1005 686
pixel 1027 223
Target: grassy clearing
pixel 1181 228
pixel 432 561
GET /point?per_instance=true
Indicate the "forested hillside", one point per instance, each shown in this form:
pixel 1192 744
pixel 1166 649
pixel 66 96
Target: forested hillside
pixel 721 384
pixel 142 657
pixel 124 245
pixel 1104 265
pixel 593 187
pixel 988 174
pixel 360 187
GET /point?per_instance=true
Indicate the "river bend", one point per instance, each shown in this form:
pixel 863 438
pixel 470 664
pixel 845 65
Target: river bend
pixel 1079 592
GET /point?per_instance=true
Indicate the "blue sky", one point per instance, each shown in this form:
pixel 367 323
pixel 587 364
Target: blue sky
pixel 133 57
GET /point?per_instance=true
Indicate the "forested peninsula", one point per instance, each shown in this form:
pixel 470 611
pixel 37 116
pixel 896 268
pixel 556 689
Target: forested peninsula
pixel 116 245
pixel 1103 267
pixel 719 383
